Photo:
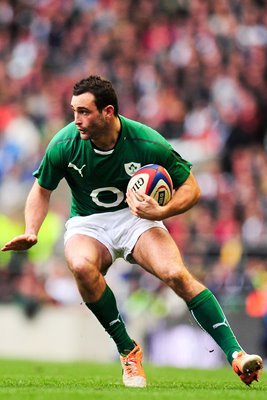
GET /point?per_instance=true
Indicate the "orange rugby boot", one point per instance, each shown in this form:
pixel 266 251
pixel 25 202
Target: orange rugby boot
pixel 133 374
pixel 247 367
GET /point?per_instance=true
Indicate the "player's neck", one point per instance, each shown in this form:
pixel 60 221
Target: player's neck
pixel 109 139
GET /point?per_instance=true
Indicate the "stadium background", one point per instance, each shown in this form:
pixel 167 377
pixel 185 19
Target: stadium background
pixel 194 70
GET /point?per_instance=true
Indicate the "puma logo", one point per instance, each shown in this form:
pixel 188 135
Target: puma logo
pixel 115 320
pixel 76 168
pixel 215 326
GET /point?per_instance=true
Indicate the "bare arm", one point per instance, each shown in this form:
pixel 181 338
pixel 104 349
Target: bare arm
pixel 184 198
pixel 36 209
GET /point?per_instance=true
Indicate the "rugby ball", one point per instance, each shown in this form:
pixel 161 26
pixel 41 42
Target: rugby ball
pixel 153 180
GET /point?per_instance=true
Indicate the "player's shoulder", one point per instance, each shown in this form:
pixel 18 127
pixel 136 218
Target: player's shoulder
pixel 138 131
pixel 136 128
pixel 65 136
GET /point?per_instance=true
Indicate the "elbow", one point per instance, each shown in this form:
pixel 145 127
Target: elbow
pixel 194 189
pixel 197 195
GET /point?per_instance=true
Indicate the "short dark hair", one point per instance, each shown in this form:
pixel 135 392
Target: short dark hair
pixel 101 88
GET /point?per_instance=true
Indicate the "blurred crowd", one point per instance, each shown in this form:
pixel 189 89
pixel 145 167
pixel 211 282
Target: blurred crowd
pixel 194 70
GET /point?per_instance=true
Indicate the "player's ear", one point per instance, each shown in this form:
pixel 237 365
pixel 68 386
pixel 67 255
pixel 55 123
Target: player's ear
pixel 108 111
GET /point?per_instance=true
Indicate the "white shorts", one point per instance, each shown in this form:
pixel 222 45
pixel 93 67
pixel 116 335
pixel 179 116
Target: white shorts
pixel 118 230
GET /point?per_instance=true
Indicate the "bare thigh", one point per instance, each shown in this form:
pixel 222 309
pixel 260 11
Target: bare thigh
pixel 89 249
pixel 88 260
pixel 158 254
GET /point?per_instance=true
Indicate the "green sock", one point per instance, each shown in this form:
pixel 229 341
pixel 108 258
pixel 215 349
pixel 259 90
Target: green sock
pixel 106 311
pixel 209 315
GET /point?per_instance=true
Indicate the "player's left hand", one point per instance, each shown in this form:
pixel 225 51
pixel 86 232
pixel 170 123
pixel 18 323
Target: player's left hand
pixel 143 206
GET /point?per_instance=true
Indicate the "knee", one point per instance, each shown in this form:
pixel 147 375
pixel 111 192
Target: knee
pixel 82 268
pixel 177 278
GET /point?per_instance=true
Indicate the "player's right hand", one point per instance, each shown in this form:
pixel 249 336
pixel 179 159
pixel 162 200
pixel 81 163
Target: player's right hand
pixel 20 243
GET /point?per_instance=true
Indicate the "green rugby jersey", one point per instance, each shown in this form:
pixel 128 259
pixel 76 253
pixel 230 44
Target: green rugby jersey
pixel 98 180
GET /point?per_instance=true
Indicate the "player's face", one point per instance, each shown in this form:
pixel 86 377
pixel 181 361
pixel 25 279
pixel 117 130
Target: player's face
pixel 90 122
